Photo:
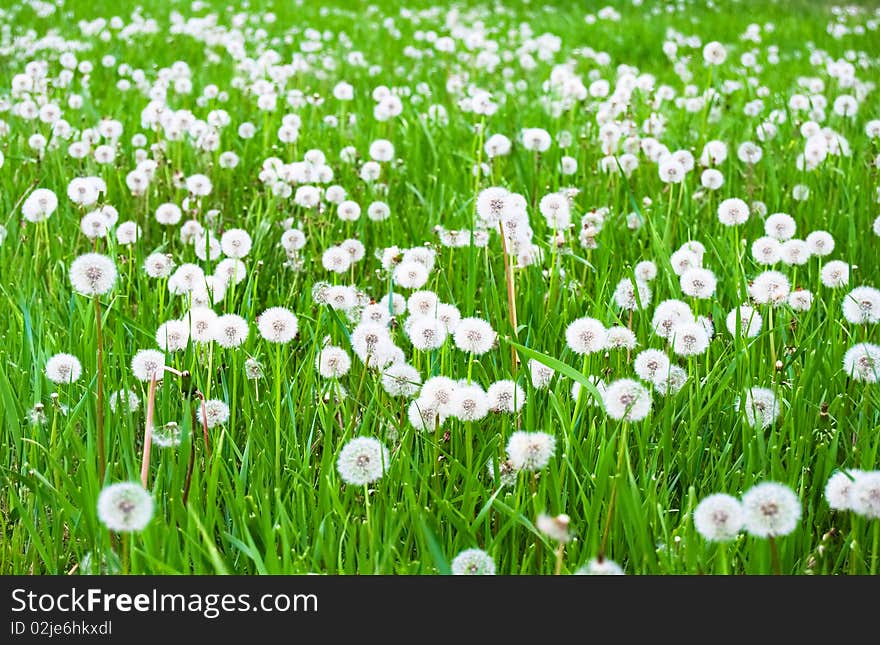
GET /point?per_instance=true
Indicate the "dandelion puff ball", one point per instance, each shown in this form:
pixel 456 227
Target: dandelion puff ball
pixel 761 407
pixel 750 322
pixel 771 509
pixel 473 562
pixel 401 379
pixel 39 205
pixel 410 275
pixel 838 489
pixel 229 330
pixel 124 399
pixel 125 507
pixel 278 325
pixel 63 368
pixel 733 211
pixel 474 335
pixel 862 306
pixel 506 396
pixel 173 335
pixel 216 413
pixel 333 362
pixel 632 295
pixel 670 383
pixel 146 363
pixel 530 450
pixel 865 495
pixel 862 362
pixel 719 517
pixel 600 567
pixel 236 243
pixel 362 460
pixel 586 336
pixel 626 399
pixel 92 274
pixel 541 375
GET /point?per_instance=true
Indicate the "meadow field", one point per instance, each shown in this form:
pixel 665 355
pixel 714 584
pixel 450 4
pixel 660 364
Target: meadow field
pixel 430 288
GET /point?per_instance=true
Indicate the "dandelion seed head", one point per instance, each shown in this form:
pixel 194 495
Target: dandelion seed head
pixel 838 489
pixel 63 369
pixel 362 461
pixel 125 507
pixel 530 451
pixel 278 325
pixel 92 274
pixel 473 562
pixel 862 362
pixel 626 399
pixel 719 517
pixel 861 306
pixel 147 362
pixel 865 495
pixel 771 509
pixel 506 396
pixel 600 567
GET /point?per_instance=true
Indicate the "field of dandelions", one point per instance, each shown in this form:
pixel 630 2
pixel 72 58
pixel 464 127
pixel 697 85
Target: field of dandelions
pixel 414 289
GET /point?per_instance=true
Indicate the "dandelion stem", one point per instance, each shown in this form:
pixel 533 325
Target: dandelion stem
pixel 511 300
pixel 126 562
pixel 774 557
pixel 722 559
pixel 203 408
pixel 192 456
pixel 875 548
pixel 148 430
pixel 560 553
pixel 277 414
pixel 99 419
pixel 621 449
pixel 151 414
pixel 369 522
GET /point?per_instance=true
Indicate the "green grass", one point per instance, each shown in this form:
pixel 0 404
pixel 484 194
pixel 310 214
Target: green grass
pixel 242 518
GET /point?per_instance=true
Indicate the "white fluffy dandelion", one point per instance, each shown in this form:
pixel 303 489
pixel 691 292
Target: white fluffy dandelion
pixel 92 274
pixel 125 507
pixel 541 375
pixel 626 399
pixel 474 335
pixel 719 517
pixel 600 567
pixel 861 306
pixel 865 495
pixel 744 321
pixel 216 413
pixel 770 288
pixel 506 396
pixel 124 400
pixel 147 362
pixel 650 363
pixel 733 211
pixel 862 362
pixel 229 330
pixel 771 509
pixel 401 379
pixel 835 274
pixel 838 489
pixel 586 336
pixel 530 450
pixel 473 562
pixel 761 407
pixel 63 369
pixel 278 325
pixel 363 460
